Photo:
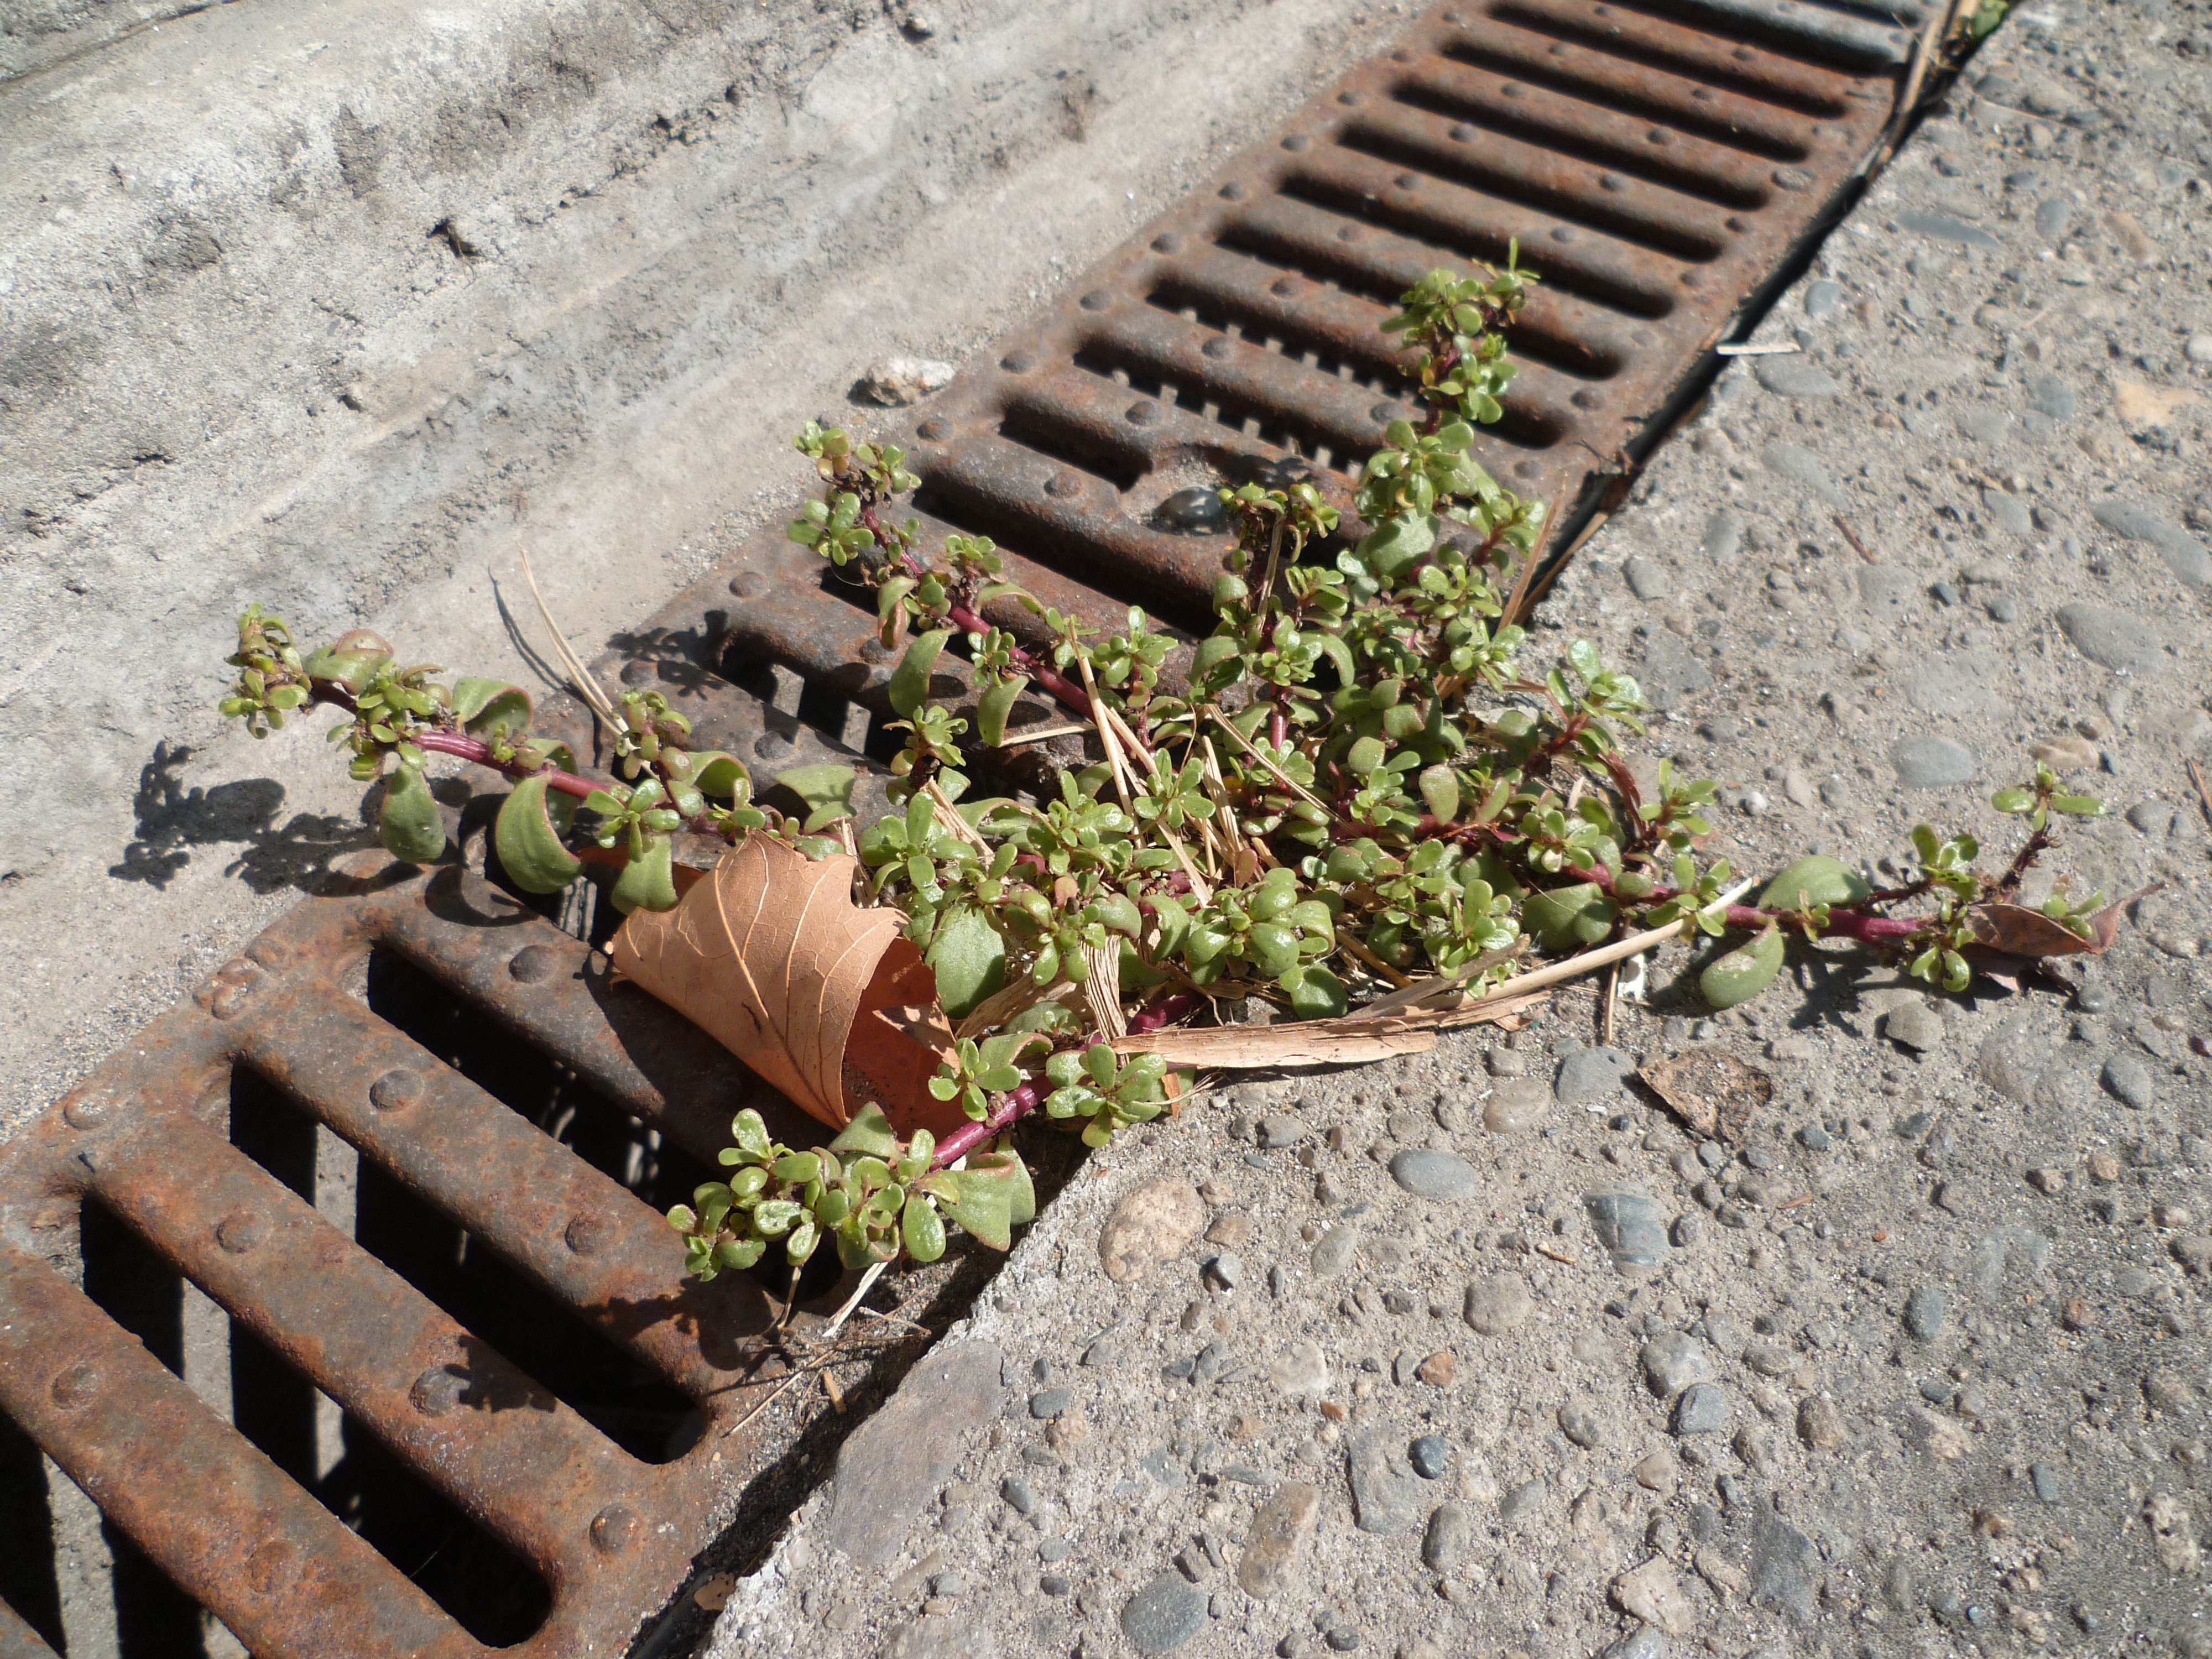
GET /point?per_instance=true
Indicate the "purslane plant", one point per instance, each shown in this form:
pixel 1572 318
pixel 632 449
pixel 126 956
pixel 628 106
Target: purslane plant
pixel 1353 782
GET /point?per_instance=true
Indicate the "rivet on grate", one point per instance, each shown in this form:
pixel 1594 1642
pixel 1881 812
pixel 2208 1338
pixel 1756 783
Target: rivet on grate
pixel 396 1091
pixel 76 1385
pixel 614 1528
pixel 240 1231
pixel 533 964
pixel 584 1234
pixel 439 1389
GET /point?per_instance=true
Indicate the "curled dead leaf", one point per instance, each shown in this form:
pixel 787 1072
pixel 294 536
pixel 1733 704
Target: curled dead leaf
pixel 826 999
pixel 2014 930
pixel 1711 1091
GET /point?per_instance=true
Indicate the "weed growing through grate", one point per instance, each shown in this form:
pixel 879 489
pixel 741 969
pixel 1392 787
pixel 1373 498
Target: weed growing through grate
pixel 1356 788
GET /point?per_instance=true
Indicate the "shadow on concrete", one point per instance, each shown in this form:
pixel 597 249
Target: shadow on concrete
pixel 174 820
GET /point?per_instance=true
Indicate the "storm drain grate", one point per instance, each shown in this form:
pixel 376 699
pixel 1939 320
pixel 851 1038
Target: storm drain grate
pixel 1654 163
pixel 471 1405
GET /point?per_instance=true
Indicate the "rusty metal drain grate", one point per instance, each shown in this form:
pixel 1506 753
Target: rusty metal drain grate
pixel 439 1252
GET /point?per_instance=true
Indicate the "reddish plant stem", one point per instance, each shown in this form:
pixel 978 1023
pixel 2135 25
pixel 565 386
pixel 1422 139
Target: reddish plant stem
pixel 461 745
pixel 1072 696
pixel 1843 923
pixel 1018 1103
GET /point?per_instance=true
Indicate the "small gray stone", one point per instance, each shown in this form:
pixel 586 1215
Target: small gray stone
pixel 1780 1555
pixel 2185 555
pixel 2153 817
pixel 1047 1403
pixel 1279 1129
pixel 1384 1496
pixel 1924 761
pixel 1703 1409
pixel 1517 1106
pixel 1440 1175
pixel 1647 578
pixel 1793 376
pixel 1944 229
pixel 1674 1362
pixel 1823 298
pixel 1523 1499
pixel 1580 1424
pixel 1104 1353
pixel 1801 466
pixel 1165 1614
pixel 1630 1225
pixel 2048 1486
pixel 889 1466
pixel 1666 671
pixel 1332 1252
pixel 1592 1074
pixel 1430 1456
pixel 2010 513
pixel 1915 1026
pixel 1648 1642
pixel 2128 1080
pixel 2111 639
pixel 1497 1304
pixel 1987 425
pixel 1724 535
pixel 2049 395
pixel 2051 215
pixel 1925 1310
pixel 1017 1492
pixel 1450 1537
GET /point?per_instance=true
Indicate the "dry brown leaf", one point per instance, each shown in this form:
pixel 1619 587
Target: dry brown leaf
pixel 1711 1091
pixel 713 1592
pixel 827 1001
pixel 1351 1041
pixel 2014 930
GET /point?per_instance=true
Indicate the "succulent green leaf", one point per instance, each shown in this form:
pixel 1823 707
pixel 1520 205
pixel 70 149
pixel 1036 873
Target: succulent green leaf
pixel 528 838
pixel 408 824
pixel 827 789
pixel 969 956
pixel 647 882
pixel 1813 880
pixel 923 1229
pixel 483 704
pixel 1743 973
pixel 1567 918
pixel 869 1132
pixel 992 707
pixel 909 686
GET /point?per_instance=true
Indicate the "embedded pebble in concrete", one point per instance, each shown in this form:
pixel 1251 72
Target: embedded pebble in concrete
pixel 2183 553
pixel 1923 761
pixel 1440 1175
pixel 1793 376
pixel 1165 1614
pixel 1928 1321
pixel 1592 1074
pixel 2129 1081
pixel 2110 638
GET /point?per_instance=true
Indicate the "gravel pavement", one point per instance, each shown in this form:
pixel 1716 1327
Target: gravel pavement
pixel 1482 1351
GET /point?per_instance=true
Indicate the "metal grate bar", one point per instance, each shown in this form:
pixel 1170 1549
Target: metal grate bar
pixel 1677 45
pixel 1849 33
pixel 215 1515
pixel 460 1415
pixel 583 1238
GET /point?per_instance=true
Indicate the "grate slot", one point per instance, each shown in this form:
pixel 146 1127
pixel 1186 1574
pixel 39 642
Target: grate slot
pixel 1724 174
pixel 1837 33
pixel 575 1233
pixel 30 1594
pixel 1729 119
pixel 1235 294
pixel 333 1317
pixel 1051 432
pixel 1654 42
pixel 272 1564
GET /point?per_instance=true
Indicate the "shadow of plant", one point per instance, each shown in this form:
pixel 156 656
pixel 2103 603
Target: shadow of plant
pixel 173 820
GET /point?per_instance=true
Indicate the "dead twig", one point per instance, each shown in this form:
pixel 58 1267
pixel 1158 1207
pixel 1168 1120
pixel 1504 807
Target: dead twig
pixel 1852 537
pixel 2203 794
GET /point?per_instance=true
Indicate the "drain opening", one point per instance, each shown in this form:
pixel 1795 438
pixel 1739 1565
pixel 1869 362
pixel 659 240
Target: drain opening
pixel 1051 432
pixel 619 1394
pixel 28 1583
pixel 1565 82
pixel 488 1590
pixel 1646 230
